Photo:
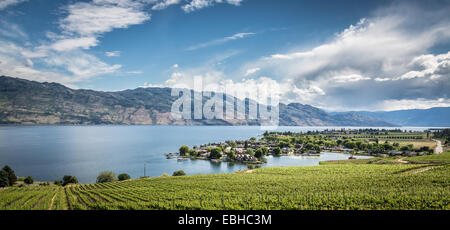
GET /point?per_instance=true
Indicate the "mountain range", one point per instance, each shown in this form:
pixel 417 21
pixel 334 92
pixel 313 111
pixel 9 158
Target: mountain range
pixel 24 102
pixel 434 117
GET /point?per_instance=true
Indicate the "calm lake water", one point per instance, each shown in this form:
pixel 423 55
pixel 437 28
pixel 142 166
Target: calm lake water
pixel 48 153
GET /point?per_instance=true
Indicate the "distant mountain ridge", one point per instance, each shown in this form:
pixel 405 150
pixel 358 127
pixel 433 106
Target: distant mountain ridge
pixel 433 117
pixel 29 102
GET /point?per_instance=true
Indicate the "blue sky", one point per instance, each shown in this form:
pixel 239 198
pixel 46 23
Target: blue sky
pixel 337 55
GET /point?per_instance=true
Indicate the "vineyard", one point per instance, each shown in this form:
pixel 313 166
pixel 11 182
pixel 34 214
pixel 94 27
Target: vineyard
pixel 329 186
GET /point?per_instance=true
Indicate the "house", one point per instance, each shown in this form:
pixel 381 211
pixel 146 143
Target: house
pixel 394 153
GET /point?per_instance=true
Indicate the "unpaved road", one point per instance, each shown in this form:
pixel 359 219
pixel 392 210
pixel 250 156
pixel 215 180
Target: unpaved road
pixel 438 149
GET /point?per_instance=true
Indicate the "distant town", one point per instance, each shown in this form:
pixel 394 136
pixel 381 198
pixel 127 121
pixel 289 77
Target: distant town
pixel 370 142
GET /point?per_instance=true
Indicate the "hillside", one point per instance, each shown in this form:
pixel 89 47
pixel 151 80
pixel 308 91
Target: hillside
pixel 30 102
pixel 378 183
pixel 436 117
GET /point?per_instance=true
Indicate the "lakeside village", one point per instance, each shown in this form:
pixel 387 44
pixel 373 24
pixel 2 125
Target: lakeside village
pixel 370 142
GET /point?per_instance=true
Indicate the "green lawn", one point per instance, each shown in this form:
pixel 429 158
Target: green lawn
pixel 355 184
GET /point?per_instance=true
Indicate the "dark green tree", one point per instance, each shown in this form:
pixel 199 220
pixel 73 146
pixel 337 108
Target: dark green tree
pixel 4 181
pixel 184 150
pixel 67 179
pixel 11 175
pixel 106 176
pixel 124 176
pixel 250 152
pixel 179 173
pixel 231 155
pixel 277 151
pixel 259 153
pixel 216 153
pixel 28 180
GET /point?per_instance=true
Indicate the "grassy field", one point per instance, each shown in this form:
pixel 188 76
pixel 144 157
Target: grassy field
pixel 377 183
pixel 416 143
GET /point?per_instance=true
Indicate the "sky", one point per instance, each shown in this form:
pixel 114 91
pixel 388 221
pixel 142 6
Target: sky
pixel 336 55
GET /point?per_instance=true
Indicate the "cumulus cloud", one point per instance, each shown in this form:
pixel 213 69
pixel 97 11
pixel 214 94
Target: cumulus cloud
pixel 387 56
pixel 349 78
pixel 100 16
pixel 251 71
pixel 199 4
pixel 220 41
pixel 430 66
pixel 63 58
pixel 68 44
pixel 254 88
pixel 164 4
pixel 419 103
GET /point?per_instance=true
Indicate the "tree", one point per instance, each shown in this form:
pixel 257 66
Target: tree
pixel 124 176
pixel 216 153
pixel 277 151
pixel 250 152
pixel 179 173
pixel 231 155
pixel 193 153
pixel 57 182
pixel 258 153
pixel 69 180
pixel 265 150
pixel 106 176
pixel 12 178
pixel 284 144
pixel 28 180
pixel 184 150
pixel 4 181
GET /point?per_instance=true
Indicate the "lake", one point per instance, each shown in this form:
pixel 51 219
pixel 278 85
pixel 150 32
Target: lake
pixel 48 153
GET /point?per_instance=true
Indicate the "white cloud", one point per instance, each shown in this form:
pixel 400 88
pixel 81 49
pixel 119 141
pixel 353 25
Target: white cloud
pixel 382 79
pixel 134 72
pixel 349 78
pixel 254 88
pixel 100 16
pixel 432 66
pixel 220 41
pixel 12 30
pixel 113 54
pixel 419 103
pixel 69 44
pixel 83 66
pixel 251 71
pixel 164 4
pixel 394 43
pixel 29 63
pixel 62 67
pixel 7 3
pixel 62 59
pixel 175 66
pixel 199 4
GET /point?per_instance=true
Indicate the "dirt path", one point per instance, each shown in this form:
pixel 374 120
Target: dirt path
pixel 400 160
pixel 420 170
pixel 438 149
pixel 51 202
